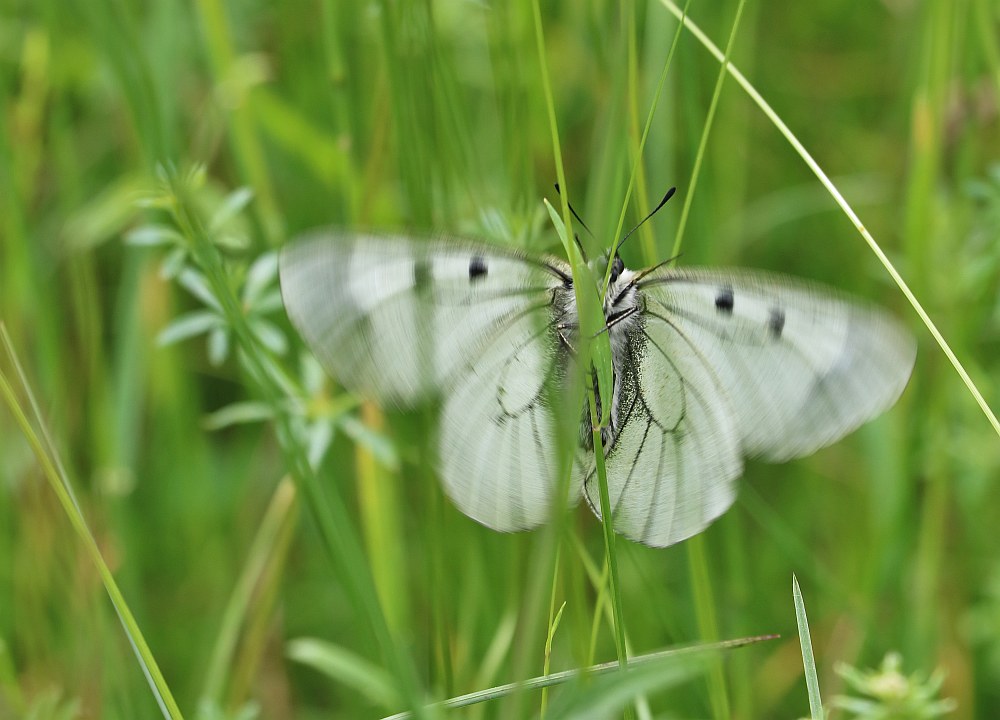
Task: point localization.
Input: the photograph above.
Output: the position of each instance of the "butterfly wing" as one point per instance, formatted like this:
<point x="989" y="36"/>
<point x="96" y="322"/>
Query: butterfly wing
<point x="400" y="321"/>
<point x="801" y="366"/>
<point x="672" y="464"/>
<point x="727" y="364"/>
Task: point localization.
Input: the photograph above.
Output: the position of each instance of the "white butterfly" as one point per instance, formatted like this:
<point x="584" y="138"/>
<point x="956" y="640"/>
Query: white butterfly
<point x="710" y="366"/>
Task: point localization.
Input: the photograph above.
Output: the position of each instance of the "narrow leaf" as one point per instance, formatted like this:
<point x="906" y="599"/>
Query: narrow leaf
<point x="195" y="283"/>
<point x="188" y="326"/>
<point x="262" y="273"/>
<point x="153" y="236"/>
<point x="269" y="335"/>
<point x="218" y="346"/>
<point x="240" y="413"/>
<point x="346" y="668"/>
<point x="231" y="206"/>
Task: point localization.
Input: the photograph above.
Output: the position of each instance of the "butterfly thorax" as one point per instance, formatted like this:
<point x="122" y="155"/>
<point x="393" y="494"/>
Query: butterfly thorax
<point x="623" y="320"/>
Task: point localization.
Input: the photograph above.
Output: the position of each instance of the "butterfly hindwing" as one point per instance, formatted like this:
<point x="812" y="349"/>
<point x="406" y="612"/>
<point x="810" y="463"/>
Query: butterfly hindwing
<point x="671" y="467"/>
<point x="498" y="450"/>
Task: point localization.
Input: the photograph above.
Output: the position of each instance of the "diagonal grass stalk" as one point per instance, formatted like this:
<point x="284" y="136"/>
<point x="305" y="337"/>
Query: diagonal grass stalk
<point x="60" y="483"/>
<point x="555" y="618"/>
<point x="700" y="577"/>
<point x="583" y="289"/>
<point x="589" y="306"/>
<point x="269" y="547"/>
<point x="637" y="174"/>
<point x="656" y="662"/>
<point x="707" y="128"/>
<point x="847" y="209"/>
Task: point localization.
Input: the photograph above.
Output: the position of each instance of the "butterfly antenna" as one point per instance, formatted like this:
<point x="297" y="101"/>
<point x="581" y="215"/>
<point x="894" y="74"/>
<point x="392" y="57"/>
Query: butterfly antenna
<point x="579" y="220"/>
<point x="669" y="194"/>
<point x="641" y="275"/>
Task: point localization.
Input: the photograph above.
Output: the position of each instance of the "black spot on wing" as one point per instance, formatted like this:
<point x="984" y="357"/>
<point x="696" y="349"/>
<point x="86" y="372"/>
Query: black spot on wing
<point x="776" y="322"/>
<point x="477" y="268"/>
<point x="724" y="301"/>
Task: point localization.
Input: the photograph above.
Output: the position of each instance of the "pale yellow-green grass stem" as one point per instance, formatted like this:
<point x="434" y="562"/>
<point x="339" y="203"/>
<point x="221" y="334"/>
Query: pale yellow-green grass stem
<point x="636" y="175"/>
<point x="706" y="130"/>
<point x="582" y="291"/>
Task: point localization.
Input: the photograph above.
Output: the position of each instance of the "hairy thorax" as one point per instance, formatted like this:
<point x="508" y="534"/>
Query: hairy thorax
<point x="623" y="322"/>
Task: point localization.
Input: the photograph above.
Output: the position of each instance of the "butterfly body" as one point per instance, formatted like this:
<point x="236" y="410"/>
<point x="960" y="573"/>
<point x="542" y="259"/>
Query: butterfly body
<point x="622" y="318"/>
<point x="709" y="367"/>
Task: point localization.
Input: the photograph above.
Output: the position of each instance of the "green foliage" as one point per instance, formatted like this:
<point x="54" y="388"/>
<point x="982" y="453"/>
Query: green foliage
<point x="283" y="546"/>
<point x="890" y="695"/>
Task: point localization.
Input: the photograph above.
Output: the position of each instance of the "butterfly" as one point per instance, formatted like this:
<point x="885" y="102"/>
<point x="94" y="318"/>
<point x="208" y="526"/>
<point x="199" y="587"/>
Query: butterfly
<point x="709" y="367"/>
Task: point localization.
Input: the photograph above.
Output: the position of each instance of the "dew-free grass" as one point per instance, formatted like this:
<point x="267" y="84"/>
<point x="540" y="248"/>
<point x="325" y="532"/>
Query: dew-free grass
<point x="237" y="551"/>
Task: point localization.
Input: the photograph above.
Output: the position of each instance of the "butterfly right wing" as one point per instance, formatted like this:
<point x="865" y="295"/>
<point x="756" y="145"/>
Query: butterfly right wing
<point x="731" y="363"/>
<point x="672" y="467"/>
<point x="400" y="321"/>
<point x="801" y="365"/>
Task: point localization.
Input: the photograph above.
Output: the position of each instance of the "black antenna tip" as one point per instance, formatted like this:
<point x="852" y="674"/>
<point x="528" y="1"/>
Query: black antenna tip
<point x="669" y="194"/>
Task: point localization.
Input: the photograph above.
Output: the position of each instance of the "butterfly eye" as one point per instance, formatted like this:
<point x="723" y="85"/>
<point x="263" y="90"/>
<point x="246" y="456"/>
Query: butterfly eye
<point x="616" y="268"/>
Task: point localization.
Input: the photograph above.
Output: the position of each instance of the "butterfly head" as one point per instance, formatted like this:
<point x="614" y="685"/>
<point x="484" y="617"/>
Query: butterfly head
<point x="620" y="298"/>
<point x="600" y="265"/>
<point x="617" y="267"/>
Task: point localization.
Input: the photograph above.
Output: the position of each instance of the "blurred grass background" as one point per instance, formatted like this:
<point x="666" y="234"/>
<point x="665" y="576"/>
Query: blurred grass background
<point x="431" y="116"/>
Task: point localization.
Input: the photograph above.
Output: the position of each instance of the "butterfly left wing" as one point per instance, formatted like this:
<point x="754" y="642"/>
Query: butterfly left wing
<point x="402" y="321"/>
<point x="393" y="317"/>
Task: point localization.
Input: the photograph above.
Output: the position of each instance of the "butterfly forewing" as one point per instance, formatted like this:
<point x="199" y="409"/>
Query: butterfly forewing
<point x="393" y="318"/>
<point x="799" y="365"/>
<point x="401" y="320"/>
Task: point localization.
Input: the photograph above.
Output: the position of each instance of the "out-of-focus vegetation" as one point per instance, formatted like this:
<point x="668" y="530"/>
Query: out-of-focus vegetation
<point x="152" y="156"/>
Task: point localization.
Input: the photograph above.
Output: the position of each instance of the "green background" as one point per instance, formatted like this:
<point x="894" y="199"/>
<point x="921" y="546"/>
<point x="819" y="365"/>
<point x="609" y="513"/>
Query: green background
<point x="432" y="117"/>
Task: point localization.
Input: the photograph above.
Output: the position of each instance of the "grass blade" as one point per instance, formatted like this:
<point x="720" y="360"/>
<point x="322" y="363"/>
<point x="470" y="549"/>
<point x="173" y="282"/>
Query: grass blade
<point x="839" y="199"/>
<point x="59" y="481"/>
<point x="657" y="661"/>
<point x="808" y="661"/>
